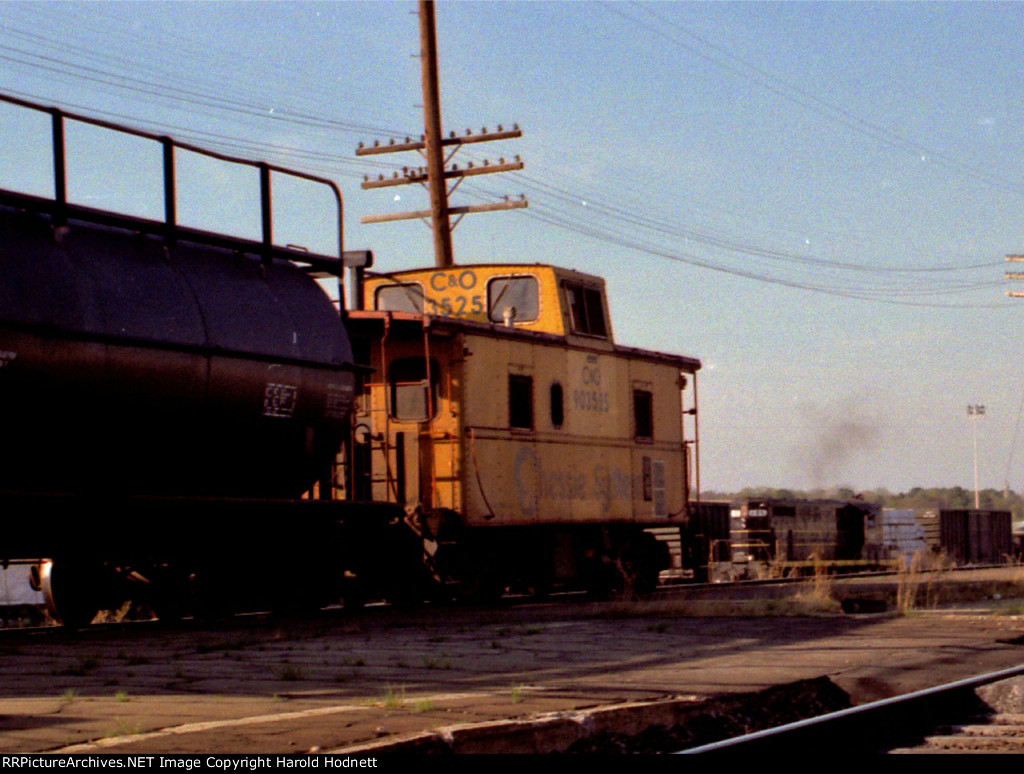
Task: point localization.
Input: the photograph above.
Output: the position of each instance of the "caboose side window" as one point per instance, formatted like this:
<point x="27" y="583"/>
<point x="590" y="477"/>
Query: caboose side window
<point x="520" y="402"/>
<point x="643" y="415"/>
<point x="557" y="405"/>
<point x="586" y="309"/>
<point x="515" y="298"/>
<point x="407" y="297"/>
<point x="412" y="398"/>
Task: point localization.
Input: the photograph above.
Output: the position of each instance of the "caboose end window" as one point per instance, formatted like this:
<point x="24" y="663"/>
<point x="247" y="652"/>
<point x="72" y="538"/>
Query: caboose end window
<point x="406" y="297"/>
<point x="413" y="398"/>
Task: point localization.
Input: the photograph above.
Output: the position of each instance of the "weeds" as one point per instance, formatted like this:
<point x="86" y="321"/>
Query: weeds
<point x="908" y="581"/>
<point x="519" y="631"/>
<point x="423" y="705"/>
<point x="292" y="673"/>
<point x="83" y="666"/>
<point x="234" y="644"/>
<point x="816" y="594"/>
<point x="123" y="728"/>
<point x="1015" y="609"/>
<point x="393" y="698"/>
<point x="431" y="663"/>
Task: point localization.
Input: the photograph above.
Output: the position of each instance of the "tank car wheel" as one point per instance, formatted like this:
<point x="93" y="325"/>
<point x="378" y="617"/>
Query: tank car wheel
<point x="212" y="593"/>
<point x="170" y="594"/>
<point x="69" y="590"/>
<point x="353" y="593"/>
<point x="408" y="589"/>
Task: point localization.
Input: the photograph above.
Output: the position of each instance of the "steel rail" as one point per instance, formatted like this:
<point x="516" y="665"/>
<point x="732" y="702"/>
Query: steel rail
<point x="868" y="728"/>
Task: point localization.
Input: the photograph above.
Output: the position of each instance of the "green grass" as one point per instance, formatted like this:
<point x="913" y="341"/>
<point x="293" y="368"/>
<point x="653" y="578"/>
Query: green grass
<point x="291" y="672"/>
<point x="394" y="698"/>
<point x="83" y="666"/>
<point x="423" y="705"/>
<point x="123" y="728"/>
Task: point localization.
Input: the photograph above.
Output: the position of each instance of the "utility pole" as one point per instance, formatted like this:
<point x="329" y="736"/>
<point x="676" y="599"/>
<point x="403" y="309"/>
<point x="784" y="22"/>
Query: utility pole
<point x="432" y="146"/>
<point x="1014" y="275"/>
<point x="975" y="412"/>
<point x="432" y="135"/>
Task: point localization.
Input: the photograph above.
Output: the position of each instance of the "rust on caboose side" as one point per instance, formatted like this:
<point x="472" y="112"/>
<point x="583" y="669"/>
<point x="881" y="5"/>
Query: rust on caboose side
<point x="498" y="399"/>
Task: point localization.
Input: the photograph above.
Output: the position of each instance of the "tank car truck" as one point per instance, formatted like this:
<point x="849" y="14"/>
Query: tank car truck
<point x="534" y="452"/>
<point x="173" y="399"/>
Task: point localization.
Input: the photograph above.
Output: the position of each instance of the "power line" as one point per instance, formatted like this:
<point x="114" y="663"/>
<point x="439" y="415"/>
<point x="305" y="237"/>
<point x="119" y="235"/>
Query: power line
<point x="808" y="100"/>
<point x="239" y="105"/>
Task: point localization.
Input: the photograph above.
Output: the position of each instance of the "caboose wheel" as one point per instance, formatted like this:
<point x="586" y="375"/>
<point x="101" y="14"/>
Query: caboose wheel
<point x="480" y="586"/>
<point x="70" y="592"/>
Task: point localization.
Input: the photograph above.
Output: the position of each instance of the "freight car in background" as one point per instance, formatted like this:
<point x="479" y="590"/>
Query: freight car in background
<point x="968" y="536"/>
<point x="780" y="537"/>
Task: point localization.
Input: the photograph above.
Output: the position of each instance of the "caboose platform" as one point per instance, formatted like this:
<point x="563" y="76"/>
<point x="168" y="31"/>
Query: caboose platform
<point x="524" y="679"/>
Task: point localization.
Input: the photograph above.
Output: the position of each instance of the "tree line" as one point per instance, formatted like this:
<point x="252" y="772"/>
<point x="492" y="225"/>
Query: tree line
<point x="933" y="498"/>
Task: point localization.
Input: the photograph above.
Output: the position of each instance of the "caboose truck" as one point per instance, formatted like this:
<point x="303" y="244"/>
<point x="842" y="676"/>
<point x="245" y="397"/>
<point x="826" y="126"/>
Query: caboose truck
<point x="532" y="449"/>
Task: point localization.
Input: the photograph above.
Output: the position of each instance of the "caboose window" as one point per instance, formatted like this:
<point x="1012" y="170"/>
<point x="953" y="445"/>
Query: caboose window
<point x="516" y="297"/>
<point x="412" y="397"/>
<point x="587" y="310"/>
<point x="643" y="415"/>
<point x="407" y="297"/>
<point x="520" y="402"/>
<point x="557" y="405"/>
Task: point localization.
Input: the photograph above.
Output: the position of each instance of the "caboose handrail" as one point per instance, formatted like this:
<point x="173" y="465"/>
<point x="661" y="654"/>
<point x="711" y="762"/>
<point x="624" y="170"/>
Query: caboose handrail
<point x="61" y="210"/>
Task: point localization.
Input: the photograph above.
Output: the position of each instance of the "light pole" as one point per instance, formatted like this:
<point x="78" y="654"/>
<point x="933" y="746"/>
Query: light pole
<point x="975" y="412"/>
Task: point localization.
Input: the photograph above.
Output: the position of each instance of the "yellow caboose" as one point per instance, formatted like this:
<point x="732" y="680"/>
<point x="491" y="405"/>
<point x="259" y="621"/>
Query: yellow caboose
<point x="529" y="449"/>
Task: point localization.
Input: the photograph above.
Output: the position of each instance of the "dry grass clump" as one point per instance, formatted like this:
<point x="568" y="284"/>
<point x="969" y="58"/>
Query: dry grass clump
<point x="817" y="593"/>
<point x="919" y="581"/>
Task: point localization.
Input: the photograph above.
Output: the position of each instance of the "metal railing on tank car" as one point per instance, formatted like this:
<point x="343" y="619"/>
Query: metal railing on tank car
<point x="61" y="210"/>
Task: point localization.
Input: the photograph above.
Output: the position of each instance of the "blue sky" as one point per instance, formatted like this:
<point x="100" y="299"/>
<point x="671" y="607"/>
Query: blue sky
<point x="813" y="198"/>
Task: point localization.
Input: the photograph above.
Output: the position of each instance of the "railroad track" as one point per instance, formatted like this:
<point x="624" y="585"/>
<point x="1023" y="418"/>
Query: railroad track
<point x="983" y="714"/>
<point x="713" y="591"/>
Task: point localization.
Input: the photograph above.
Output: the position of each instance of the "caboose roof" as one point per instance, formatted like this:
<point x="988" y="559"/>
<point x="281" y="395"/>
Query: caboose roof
<point x="539" y="301"/>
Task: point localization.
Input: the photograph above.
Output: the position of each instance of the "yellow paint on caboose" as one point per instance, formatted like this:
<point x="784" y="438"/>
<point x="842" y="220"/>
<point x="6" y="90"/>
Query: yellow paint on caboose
<point x="580" y="457"/>
<point x="534" y="417"/>
<point x="530" y="297"/>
